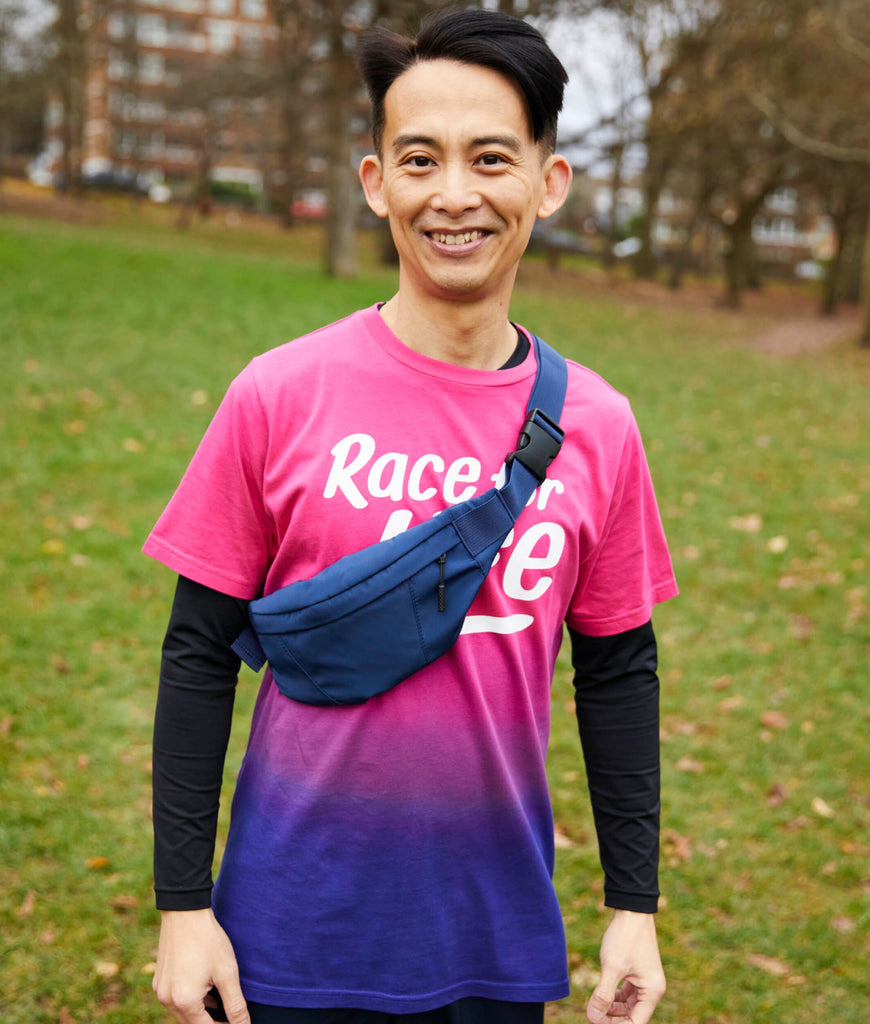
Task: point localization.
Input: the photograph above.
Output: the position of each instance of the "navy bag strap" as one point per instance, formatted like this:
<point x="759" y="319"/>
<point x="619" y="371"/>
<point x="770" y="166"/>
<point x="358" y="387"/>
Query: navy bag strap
<point x="538" y="444"/>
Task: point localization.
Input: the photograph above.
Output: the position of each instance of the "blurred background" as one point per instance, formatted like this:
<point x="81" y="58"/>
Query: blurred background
<point x="728" y="136"/>
<point x="178" y="193"/>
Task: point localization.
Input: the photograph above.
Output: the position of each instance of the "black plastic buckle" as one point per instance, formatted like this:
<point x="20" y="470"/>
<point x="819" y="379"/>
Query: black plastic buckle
<point x="538" y="444"/>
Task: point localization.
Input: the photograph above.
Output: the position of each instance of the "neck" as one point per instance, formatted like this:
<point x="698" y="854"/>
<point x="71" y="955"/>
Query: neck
<point x="465" y="333"/>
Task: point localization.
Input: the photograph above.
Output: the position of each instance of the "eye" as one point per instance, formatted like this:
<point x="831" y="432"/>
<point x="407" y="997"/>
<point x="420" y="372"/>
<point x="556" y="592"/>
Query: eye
<point x="418" y="162"/>
<point x="491" y="160"/>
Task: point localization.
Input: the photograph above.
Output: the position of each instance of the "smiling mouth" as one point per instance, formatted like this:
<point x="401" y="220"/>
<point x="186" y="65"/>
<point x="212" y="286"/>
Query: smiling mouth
<point x="459" y="238"/>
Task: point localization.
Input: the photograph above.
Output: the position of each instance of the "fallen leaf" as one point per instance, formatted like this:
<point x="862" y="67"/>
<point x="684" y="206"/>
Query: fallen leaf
<point x="109" y="999"/>
<point x="722" y="683"/>
<point x="6" y="725"/>
<point x="801" y="821"/>
<point x="822" y="808"/>
<point x="859" y="849"/>
<point x="585" y="976"/>
<point x="561" y="841"/>
<point x="730" y="704"/>
<point x="95" y="863"/>
<point x="776" y="545"/>
<point x="47" y="937"/>
<point x="88" y="397"/>
<point x="768" y="964"/>
<point x="27" y="905"/>
<point x="74" y="428"/>
<point x="777" y="795"/>
<point x="199" y="397"/>
<point x="751" y="523"/>
<point x="106" y="969"/>
<point x="844" y="925"/>
<point x="60" y="665"/>
<point x="675" y="847"/>
<point x="122" y="902"/>
<point x="130" y="444"/>
<point x="148" y="968"/>
<point x="55" y="546"/>
<point x="774" y="720"/>
<point x="83" y="760"/>
<point x="800" y="627"/>
<point x="65" y="1017"/>
<point x="689" y="764"/>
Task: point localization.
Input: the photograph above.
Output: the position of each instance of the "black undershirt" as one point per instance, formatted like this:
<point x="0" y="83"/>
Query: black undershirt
<point x="616" y="696"/>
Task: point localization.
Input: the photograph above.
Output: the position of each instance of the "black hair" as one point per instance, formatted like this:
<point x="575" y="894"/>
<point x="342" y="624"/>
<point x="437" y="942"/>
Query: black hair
<point x="490" y="39"/>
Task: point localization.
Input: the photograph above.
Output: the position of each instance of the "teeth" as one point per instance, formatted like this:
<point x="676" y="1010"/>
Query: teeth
<point x="468" y="236"/>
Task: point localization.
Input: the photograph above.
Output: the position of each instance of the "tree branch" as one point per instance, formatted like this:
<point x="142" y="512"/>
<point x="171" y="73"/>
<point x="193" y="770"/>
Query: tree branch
<point x="799" y="139"/>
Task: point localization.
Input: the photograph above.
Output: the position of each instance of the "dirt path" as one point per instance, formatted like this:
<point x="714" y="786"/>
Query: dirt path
<point x="797" y="335"/>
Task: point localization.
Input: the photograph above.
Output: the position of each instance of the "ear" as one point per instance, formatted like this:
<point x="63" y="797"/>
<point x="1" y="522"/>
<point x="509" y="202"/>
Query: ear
<point x="371" y="176"/>
<point x="557" y="181"/>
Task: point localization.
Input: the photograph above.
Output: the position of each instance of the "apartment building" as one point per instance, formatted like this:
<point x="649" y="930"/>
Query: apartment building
<point x="176" y="88"/>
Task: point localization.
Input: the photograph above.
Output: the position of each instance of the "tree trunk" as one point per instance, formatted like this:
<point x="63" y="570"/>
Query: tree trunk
<point x="864" y="337"/>
<point x="735" y="264"/>
<point x="615" y="188"/>
<point x="833" y="271"/>
<point x="645" y="262"/>
<point x="340" y="256"/>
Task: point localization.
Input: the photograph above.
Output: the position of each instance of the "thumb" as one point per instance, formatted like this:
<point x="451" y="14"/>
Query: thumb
<point x="602" y="998"/>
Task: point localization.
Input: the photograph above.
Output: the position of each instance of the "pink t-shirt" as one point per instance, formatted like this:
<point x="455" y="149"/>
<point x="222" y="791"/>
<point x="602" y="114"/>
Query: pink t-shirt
<point x="397" y="855"/>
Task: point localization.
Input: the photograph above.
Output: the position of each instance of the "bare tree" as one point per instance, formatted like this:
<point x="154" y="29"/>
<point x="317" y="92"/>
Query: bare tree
<point x="23" y="87"/>
<point x="830" y="125"/>
<point x="68" y="80"/>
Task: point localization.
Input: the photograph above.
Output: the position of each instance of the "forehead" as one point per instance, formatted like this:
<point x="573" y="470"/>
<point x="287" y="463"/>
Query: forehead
<point x="448" y="97"/>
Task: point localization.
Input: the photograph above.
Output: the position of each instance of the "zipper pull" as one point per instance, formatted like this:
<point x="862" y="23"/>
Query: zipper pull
<point x="442" y="588"/>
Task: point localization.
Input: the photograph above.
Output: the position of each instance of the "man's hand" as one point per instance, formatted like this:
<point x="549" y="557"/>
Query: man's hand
<point x="195" y="955"/>
<point x="629" y="954"/>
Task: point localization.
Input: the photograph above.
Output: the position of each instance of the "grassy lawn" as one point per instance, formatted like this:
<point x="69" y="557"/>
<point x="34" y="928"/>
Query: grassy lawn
<point x="118" y="340"/>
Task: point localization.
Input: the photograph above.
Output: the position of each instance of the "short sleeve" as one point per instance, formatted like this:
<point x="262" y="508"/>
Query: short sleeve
<point x="216" y="529"/>
<point x="629" y="568"/>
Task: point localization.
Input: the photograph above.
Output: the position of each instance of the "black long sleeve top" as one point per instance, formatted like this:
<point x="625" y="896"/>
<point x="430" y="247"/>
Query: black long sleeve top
<point x="616" y="694"/>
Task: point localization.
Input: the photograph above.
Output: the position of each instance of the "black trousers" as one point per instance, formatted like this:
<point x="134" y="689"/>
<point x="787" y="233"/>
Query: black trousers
<point x="464" y="1011"/>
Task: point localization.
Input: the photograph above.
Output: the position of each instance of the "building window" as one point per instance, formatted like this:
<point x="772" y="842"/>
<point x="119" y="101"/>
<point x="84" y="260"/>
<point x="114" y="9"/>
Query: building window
<point x="221" y="36"/>
<point x="224" y="7"/>
<point x="254" y="8"/>
<point x="151" y="68"/>
<point x="252" y="41"/>
<point x="152" y="30"/>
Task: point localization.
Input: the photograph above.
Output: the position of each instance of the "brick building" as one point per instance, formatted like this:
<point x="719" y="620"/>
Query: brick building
<point x="176" y="89"/>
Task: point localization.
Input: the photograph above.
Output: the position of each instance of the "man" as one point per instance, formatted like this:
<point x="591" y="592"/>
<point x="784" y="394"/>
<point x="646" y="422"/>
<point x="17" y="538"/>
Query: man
<point x="392" y="860"/>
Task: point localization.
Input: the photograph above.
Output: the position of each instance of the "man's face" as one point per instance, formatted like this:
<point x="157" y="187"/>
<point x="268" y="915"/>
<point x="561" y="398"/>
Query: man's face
<point x="461" y="179"/>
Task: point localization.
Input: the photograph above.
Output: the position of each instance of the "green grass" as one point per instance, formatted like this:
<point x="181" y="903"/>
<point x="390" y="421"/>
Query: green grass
<point x="117" y="343"/>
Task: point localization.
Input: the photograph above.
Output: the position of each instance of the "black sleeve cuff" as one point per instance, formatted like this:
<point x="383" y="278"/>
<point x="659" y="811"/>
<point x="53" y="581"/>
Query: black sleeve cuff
<point x="196" y="899"/>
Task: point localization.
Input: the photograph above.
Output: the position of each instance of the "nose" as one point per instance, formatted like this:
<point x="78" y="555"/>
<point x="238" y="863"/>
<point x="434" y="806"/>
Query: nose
<point x="456" y="191"/>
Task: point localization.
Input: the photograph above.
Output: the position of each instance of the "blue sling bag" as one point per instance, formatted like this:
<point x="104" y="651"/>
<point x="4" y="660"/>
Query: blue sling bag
<point x="377" y="616"/>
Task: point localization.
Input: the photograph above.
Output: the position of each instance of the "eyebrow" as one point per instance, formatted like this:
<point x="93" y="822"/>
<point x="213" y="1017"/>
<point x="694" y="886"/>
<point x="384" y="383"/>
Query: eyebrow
<point x="511" y="142"/>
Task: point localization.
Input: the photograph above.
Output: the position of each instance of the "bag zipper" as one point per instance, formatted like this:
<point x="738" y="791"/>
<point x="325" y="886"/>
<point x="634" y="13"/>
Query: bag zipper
<point x="442" y="587"/>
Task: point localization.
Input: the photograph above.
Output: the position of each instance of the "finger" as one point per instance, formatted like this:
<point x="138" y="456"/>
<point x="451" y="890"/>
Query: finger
<point x="644" y="1007"/>
<point x="600" y="1003"/>
<point x="235" y="1007"/>
<point x="191" y="1013"/>
<point x="627" y="994"/>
